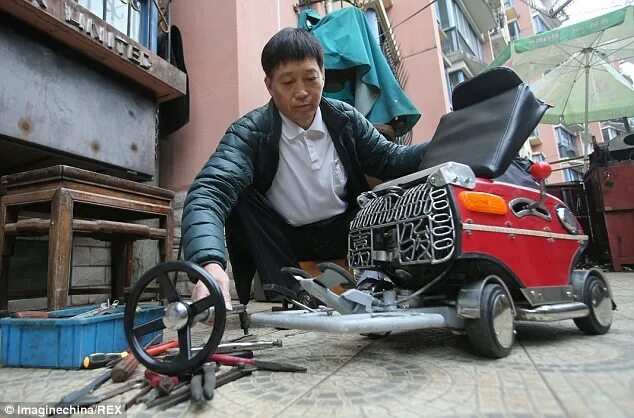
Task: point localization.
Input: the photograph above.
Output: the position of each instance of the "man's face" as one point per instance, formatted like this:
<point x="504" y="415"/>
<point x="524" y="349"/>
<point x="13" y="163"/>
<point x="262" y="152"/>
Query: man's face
<point x="296" y="87"/>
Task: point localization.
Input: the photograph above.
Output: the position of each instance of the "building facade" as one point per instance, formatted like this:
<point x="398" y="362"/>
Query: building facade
<point x="430" y="46"/>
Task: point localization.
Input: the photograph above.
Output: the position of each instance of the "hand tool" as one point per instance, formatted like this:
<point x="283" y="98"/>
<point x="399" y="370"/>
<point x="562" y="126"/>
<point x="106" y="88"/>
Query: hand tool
<point x="260" y="364"/>
<point x="172" y="399"/>
<point x="96" y="398"/>
<point x="234" y="374"/>
<point x="244" y="354"/>
<point x="137" y="398"/>
<point x="196" y="388"/>
<point x="242" y="338"/>
<point x="236" y="309"/>
<point x="177" y="391"/>
<point x="209" y="380"/>
<point x="245" y="322"/>
<point x="70" y="399"/>
<point x="208" y="314"/>
<point x="202" y="384"/>
<point x="152" y="396"/>
<point x="162" y="348"/>
<point x="164" y="383"/>
<point x="124" y="369"/>
<point x="182" y="395"/>
<point x="104" y="308"/>
<point x="225" y="348"/>
<point x="97" y="360"/>
<point x="30" y="314"/>
<point x="251" y="345"/>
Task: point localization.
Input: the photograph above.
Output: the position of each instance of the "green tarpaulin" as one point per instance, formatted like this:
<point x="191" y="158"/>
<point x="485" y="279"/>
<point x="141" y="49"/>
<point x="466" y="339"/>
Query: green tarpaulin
<point x="354" y="60"/>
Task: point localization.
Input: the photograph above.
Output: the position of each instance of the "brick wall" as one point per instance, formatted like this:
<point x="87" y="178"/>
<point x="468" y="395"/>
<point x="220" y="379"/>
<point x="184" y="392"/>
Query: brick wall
<point x="91" y="267"/>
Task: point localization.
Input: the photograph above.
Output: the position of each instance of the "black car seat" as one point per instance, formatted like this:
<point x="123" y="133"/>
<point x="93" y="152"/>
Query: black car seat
<point x="494" y="113"/>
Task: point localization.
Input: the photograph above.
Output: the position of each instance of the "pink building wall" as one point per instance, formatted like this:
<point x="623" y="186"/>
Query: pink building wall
<point x="211" y="58"/>
<point x="255" y="26"/>
<point x="222" y="48"/>
<point x="426" y="86"/>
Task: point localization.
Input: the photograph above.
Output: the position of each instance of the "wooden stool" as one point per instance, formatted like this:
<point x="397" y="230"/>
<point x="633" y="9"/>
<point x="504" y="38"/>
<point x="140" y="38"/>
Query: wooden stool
<point x="80" y="203"/>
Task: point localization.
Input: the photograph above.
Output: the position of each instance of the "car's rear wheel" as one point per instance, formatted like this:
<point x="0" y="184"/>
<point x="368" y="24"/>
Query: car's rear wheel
<point x="597" y="297"/>
<point x="492" y="335"/>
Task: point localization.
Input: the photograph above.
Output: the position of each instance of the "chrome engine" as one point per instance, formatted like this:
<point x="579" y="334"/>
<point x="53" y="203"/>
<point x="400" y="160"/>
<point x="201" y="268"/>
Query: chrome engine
<point x="403" y="226"/>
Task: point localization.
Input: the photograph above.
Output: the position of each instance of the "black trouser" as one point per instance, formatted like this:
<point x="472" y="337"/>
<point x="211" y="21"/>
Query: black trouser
<point x="258" y="239"/>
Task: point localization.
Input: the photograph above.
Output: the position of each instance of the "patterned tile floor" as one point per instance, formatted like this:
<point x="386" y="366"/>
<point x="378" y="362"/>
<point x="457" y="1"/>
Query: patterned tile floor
<point x="553" y="371"/>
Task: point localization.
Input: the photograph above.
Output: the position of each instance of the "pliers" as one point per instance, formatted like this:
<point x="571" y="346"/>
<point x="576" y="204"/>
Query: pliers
<point x="259" y="364"/>
<point x="202" y="385"/>
<point x="205" y="385"/>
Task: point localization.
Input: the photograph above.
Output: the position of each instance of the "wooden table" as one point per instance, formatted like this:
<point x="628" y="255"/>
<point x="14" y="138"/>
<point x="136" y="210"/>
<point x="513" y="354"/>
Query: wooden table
<point x="77" y="202"/>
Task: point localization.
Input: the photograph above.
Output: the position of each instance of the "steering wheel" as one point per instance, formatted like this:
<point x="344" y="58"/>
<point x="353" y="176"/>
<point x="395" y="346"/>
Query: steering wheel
<point x="178" y="316"/>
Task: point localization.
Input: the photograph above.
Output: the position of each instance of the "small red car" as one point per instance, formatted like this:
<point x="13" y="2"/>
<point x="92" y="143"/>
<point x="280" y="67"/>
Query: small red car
<point x="471" y="242"/>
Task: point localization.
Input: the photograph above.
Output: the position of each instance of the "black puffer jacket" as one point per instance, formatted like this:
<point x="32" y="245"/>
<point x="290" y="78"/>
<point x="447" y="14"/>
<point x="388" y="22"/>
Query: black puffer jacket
<point x="248" y="155"/>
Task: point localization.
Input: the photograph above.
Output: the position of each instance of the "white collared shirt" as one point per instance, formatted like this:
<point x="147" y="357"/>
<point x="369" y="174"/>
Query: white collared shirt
<point x="310" y="182"/>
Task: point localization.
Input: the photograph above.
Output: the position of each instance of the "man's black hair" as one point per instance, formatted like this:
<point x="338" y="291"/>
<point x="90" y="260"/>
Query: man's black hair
<point x="290" y="44"/>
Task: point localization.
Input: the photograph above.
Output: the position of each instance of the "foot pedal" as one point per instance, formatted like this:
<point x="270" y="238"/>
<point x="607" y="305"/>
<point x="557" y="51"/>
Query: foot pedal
<point x="280" y="290"/>
<point x="286" y="294"/>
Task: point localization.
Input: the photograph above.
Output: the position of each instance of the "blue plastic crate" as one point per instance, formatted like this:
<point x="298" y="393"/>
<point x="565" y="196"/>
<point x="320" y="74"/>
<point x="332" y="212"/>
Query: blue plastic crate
<point x="61" y="342"/>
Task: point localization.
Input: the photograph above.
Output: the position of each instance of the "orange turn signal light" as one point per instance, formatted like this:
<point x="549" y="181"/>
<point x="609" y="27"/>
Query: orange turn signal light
<point x="483" y="202"/>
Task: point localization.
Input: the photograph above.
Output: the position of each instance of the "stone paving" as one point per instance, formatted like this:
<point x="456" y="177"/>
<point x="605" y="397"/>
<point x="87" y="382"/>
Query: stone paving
<point x="553" y="371"/>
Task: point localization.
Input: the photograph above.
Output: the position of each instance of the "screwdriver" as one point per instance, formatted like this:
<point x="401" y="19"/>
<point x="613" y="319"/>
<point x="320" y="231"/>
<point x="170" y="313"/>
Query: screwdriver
<point x="260" y="364"/>
<point x="97" y="360"/>
<point x="124" y="369"/>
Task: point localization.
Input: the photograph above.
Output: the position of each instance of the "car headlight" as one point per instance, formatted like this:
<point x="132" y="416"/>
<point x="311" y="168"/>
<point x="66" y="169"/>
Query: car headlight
<point x="568" y="220"/>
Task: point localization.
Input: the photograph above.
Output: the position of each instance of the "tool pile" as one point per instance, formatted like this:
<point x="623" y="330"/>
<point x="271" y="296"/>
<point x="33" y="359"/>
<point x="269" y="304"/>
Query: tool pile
<point x="161" y="391"/>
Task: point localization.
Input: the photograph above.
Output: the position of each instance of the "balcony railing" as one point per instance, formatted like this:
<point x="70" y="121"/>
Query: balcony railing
<point x="456" y="43"/>
<point x="389" y="44"/>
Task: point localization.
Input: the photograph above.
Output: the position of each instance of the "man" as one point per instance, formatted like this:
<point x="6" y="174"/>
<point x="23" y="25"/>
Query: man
<point x="284" y="179"/>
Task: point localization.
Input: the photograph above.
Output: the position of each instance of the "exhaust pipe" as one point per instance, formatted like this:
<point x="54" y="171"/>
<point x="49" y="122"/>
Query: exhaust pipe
<point x="557" y="312"/>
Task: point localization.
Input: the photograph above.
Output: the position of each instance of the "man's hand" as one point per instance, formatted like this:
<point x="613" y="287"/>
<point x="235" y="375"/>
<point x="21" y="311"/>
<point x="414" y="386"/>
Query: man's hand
<point x="200" y="290"/>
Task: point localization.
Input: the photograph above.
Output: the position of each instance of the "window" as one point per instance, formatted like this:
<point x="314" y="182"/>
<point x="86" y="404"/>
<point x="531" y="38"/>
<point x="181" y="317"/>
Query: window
<point x="509" y="3"/>
<point x="535" y="131"/>
<point x="538" y="157"/>
<point x="572" y="175"/>
<point x="461" y="36"/>
<point x="566" y="142"/>
<point x="514" y="30"/>
<point x="539" y="25"/>
<point x="453" y="79"/>
<point x="608" y="133"/>
<point x="443" y="13"/>
<point x="456" y="78"/>
<point x="127" y="16"/>
<point x="448" y="82"/>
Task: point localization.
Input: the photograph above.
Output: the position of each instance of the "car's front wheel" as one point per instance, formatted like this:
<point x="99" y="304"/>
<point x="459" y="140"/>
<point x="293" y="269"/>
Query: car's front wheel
<point x="492" y="335"/>
<point x="596" y="296"/>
